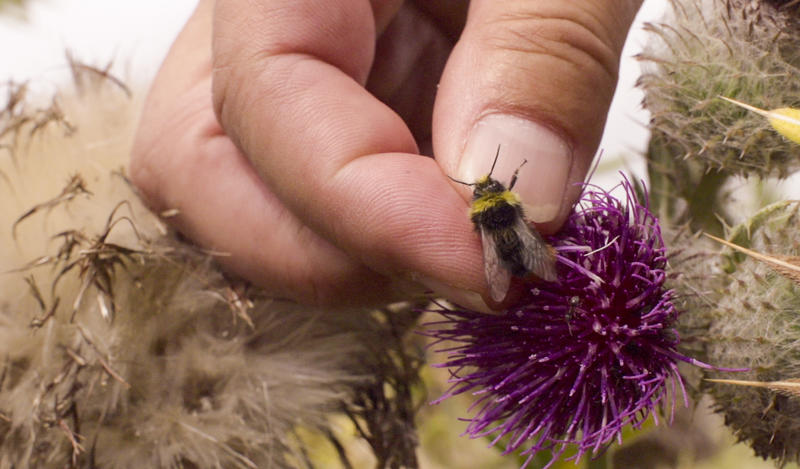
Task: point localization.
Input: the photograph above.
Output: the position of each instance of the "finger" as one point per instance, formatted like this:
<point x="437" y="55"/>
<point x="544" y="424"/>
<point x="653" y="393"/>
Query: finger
<point x="182" y="161"/>
<point x="409" y="59"/>
<point x="384" y="12"/>
<point x="535" y="79"/>
<point x="224" y="207"/>
<point x="449" y="15"/>
<point x="293" y="101"/>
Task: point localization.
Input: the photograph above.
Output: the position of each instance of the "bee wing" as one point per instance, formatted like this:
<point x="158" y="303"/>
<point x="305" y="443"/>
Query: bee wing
<point x="537" y="256"/>
<point x="497" y="276"/>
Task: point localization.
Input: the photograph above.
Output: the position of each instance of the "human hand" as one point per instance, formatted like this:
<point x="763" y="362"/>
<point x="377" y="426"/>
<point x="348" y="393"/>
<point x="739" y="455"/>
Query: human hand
<point x="315" y="187"/>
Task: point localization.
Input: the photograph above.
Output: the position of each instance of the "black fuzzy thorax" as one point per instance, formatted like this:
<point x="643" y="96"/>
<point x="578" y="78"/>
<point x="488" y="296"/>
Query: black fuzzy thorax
<point x="499" y="219"/>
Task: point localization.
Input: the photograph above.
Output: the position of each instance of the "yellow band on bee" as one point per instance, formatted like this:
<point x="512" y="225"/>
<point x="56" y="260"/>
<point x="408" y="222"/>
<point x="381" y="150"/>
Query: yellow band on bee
<point x="492" y="200"/>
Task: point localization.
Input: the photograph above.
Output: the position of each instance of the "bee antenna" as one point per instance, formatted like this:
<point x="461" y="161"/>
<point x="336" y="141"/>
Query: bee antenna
<point x="460" y="182"/>
<point x="496" y="155"/>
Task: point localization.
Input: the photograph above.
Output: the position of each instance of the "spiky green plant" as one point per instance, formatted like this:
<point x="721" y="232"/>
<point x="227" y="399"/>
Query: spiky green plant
<point x="748" y="305"/>
<point x="704" y="50"/>
<point x="711" y="70"/>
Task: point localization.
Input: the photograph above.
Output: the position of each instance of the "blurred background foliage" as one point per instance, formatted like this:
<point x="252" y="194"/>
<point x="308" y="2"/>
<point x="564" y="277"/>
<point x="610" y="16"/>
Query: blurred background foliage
<point x="12" y="7"/>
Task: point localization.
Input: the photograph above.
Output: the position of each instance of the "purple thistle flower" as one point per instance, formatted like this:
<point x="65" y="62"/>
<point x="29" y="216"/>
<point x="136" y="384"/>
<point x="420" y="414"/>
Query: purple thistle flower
<point x="578" y="359"/>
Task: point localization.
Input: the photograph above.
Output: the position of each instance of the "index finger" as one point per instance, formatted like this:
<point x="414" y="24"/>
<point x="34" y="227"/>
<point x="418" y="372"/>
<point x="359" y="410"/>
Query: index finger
<point x="292" y="98"/>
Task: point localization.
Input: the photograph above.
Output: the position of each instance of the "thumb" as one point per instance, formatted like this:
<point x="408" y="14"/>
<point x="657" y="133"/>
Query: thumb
<point x="535" y="78"/>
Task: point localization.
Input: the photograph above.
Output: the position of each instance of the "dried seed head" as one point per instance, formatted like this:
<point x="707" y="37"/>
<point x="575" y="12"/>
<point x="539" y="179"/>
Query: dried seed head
<point x="194" y="369"/>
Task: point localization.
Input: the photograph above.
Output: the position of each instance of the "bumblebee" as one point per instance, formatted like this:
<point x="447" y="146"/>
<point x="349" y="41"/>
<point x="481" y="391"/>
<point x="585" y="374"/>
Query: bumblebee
<point x="510" y="245"/>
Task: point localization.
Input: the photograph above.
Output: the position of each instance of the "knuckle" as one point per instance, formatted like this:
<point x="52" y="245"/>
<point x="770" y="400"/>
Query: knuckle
<point x="312" y="289"/>
<point x="142" y="172"/>
<point x="220" y="91"/>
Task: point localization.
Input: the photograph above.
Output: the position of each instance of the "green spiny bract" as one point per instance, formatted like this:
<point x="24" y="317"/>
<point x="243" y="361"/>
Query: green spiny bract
<point x="745" y="315"/>
<point x="747" y="50"/>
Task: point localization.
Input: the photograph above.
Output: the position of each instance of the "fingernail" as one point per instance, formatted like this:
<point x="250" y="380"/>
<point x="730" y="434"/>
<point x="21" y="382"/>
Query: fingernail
<point x="464" y="298"/>
<point x="541" y="182"/>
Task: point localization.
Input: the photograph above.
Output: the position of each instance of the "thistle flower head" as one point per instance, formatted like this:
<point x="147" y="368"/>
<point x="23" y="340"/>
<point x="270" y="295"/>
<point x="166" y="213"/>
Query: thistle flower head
<point x="747" y="300"/>
<point x="747" y="50"/>
<point x="578" y="359"/>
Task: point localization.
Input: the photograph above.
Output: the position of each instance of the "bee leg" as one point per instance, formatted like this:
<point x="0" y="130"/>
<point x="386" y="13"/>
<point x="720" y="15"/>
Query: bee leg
<point x="514" y="176"/>
<point x="573" y="303"/>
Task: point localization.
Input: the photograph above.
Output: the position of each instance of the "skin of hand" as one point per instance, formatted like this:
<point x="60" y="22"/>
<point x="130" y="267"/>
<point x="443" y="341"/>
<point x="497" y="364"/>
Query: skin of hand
<point x="287" y="134"/>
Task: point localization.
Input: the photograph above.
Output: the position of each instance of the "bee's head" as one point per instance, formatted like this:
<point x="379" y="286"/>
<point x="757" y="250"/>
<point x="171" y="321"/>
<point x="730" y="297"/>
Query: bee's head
<point x="487" y="185"/>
